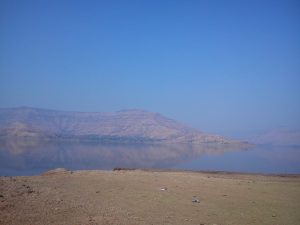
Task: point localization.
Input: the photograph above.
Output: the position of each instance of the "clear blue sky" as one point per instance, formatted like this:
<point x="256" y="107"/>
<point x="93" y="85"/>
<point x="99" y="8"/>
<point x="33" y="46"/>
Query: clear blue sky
<point x="220" y="66"/>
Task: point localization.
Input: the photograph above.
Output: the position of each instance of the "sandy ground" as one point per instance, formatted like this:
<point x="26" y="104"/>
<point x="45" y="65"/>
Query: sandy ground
<point x="139" y="197"/>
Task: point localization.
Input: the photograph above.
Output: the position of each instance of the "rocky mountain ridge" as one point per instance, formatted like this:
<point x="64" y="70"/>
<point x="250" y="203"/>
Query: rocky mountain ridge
<point x="125" y="125"/>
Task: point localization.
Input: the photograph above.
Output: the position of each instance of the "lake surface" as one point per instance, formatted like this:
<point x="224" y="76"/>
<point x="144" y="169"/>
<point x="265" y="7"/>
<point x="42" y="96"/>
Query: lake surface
<point x="35" y="157"/>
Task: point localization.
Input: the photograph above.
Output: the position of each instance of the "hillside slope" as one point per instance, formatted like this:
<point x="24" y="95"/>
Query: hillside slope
<point x="126" y="125"/>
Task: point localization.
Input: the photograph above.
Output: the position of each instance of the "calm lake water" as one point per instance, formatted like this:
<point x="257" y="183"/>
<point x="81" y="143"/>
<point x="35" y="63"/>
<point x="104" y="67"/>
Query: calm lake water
<point x="31" y="157"/>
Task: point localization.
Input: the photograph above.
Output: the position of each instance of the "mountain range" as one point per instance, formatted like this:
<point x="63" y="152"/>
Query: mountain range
<point x="279" y="136"/>
<point x="120" y="126"/>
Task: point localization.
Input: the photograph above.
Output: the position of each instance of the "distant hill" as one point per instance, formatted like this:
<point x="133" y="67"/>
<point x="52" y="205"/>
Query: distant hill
<point x="281" y="136"/>
<point x="121" y="126"/>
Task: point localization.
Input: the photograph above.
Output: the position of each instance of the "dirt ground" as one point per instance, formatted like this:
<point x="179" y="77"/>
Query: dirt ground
<point x="149" y="197"/>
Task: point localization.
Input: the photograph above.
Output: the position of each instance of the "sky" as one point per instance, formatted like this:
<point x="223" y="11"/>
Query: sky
<point x="222" y="66"/>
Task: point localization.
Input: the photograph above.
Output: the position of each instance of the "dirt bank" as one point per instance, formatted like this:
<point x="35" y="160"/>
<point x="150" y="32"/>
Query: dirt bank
<point x="149" y="197"/>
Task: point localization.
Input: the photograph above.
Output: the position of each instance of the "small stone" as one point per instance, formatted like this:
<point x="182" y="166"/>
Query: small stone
<point x="273" y="215"/>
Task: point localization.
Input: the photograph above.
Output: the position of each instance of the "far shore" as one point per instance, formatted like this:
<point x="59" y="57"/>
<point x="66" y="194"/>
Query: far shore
<point x="134" y="196"/>
<point x="210" y="172"/>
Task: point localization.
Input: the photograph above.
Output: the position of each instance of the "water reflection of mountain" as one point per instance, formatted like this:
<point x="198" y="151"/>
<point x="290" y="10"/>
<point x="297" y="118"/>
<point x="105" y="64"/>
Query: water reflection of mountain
<point x="41" y="155"/>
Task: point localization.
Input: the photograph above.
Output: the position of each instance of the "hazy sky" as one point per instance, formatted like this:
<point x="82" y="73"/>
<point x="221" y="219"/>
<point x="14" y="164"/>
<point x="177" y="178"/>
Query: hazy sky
<point x="220" y="66"/>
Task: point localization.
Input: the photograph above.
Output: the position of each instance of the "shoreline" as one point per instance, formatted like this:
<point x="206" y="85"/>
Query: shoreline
<point x="212" y="172"/>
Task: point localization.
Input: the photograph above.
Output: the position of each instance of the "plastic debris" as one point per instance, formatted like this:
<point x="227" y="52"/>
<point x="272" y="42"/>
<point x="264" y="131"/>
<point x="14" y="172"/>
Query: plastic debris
<point x="195" y="199"/>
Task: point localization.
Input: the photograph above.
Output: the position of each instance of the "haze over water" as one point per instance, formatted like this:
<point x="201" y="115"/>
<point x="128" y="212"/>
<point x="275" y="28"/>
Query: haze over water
<point x="26" y="158"/>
